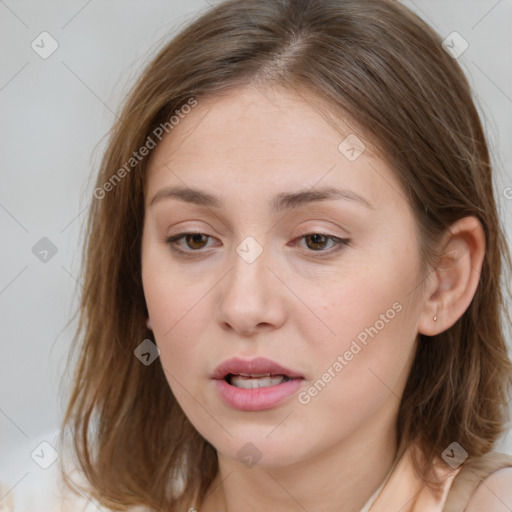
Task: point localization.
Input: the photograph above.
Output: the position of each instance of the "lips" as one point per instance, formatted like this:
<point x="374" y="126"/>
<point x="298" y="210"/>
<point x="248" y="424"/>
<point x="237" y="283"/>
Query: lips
<point x="255" y="385"/>
<point x="254" y="367"/>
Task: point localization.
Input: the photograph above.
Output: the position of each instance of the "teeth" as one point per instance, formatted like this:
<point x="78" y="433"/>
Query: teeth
<point x="254" y="374"/>
<point x="254" y="381"/>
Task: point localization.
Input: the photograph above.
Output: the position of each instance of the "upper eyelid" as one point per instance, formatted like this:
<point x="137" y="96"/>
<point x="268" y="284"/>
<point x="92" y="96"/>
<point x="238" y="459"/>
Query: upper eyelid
<point x="315" y="213"/>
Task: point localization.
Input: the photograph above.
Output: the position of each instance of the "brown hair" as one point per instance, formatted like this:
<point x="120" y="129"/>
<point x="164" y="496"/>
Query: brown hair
<point x="374" y="63"/>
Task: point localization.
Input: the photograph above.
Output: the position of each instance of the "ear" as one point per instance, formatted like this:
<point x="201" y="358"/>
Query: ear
<point x="453" y="283"/>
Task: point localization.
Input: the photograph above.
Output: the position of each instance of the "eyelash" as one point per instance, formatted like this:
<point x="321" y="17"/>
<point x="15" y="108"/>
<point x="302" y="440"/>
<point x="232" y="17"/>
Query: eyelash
<point x="340" y="243"/>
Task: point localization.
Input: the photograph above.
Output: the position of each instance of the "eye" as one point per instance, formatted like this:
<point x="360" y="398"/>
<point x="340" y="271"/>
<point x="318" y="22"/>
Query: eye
<point x="194" y="241"/>
<point x="197" y="241"/>
<point x="317" y="242"/>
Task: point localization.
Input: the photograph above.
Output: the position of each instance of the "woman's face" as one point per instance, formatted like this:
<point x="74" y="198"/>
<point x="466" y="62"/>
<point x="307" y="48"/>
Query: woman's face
<point x="264" y="278"/>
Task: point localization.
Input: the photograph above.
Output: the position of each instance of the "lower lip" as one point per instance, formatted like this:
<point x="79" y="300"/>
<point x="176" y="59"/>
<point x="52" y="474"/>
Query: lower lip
<point x="257" y="399"/>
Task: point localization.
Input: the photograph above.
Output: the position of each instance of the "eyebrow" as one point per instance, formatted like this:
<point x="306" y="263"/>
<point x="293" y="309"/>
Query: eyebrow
<point x="282" y="201"/>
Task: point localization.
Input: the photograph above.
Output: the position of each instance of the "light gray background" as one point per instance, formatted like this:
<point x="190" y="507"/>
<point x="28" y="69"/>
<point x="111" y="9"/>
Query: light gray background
<point x="55" y="115"/>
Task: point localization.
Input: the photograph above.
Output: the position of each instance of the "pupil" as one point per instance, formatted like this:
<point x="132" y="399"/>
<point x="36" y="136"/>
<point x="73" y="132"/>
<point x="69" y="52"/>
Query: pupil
<point x="194" y="238"/>
<point x="315" y="238"/>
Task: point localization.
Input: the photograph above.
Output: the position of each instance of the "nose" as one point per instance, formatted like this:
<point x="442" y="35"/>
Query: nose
<point x="251" y="297"/>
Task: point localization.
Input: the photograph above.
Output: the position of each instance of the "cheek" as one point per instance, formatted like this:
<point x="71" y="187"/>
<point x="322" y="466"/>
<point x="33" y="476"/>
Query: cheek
<point x="371" y="316"/>
<point x="176" y="314"/>
<point x="181" y="314"/>
<point x="170" y="293"/>
<point x="170" y="304"/>
<point x="364" y="366"/>
<point x="363" y="297"/>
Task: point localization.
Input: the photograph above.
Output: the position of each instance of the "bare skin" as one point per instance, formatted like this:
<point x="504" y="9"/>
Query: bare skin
<point x="301" y="302"/>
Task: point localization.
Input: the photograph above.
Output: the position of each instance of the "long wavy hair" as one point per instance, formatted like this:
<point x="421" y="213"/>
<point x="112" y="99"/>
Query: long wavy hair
<point x="373" y="63"/>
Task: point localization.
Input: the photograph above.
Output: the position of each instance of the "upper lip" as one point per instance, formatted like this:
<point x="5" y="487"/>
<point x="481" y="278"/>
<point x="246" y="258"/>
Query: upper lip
<point x="258" y="365"/>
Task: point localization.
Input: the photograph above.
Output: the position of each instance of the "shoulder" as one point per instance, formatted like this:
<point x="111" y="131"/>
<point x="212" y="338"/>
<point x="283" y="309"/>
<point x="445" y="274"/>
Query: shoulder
<point x="494" y="493"/>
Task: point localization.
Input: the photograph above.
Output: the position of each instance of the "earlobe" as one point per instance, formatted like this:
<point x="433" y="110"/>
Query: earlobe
<point x="455" y="277"/>
<point x="149" y="325"/>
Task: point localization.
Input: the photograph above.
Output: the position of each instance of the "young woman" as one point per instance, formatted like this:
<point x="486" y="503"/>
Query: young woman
<point x="292" y="284"/>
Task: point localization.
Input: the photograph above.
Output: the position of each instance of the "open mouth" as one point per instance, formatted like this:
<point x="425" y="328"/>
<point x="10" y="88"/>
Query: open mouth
<point x="256" y="384"/>
<point x="252" y="381"/>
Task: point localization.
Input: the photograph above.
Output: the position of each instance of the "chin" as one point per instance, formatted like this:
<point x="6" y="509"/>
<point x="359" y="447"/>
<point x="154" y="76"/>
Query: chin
<point x="258" y="452"/>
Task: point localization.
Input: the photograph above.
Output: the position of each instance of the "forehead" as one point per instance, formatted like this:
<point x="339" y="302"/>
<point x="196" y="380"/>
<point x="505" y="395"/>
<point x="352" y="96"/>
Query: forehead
<point x="258" y="139"/>
<point x="253" y="122"/>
